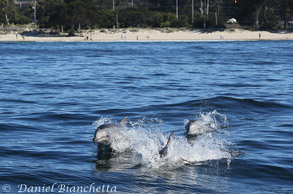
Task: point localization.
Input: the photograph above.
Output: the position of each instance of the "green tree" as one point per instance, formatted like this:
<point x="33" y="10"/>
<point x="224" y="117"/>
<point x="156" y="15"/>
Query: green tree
<point x="258" y="5"/>
<point x="76" y="15"/>
<point x="46" y="10"/>
<point x="249" y="11"/>
<point x="58" y="17"/>
<point x="108" y="4"/>
<point x="286" y="11"/>
<point x="133" y="17"/>
<point x="7" y="11"/>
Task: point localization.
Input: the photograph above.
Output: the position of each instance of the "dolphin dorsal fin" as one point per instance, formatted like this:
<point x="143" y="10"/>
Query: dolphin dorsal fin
<point x="123" y="121"/>
<point x="170" y="138"/>
<point x="163" y="152"/>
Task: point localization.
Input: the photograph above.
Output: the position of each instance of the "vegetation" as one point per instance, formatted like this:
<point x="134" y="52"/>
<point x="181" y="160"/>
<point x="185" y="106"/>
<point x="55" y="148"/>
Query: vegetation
<point x="71" y="15"/>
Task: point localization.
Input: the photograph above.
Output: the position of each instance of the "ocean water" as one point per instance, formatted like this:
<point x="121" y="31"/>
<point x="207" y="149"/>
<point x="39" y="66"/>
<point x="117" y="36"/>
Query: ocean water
<point x="53" y="96"/>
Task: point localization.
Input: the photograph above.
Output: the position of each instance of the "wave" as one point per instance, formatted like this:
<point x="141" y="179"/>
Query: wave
<point x="189" y="108"/>
<point x="222" y="104"/>
<point x="221" y="101"/>
<point x="250" y="102"/>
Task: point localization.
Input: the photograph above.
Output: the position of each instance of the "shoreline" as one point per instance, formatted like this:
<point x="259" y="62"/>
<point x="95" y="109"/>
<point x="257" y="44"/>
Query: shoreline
<point x="149" y="35"/>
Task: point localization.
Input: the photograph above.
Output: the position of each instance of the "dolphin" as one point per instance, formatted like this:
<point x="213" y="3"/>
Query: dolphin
<point x="163" y="152"/>
<point x="198" y="127"/>
<point x="108" y="132"/>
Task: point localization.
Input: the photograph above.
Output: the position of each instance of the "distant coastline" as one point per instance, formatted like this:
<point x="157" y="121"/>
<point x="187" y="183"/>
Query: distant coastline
<point x="144" y="34"/>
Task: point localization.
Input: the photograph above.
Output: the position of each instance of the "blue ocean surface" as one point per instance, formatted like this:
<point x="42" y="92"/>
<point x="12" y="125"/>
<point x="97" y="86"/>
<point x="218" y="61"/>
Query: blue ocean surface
<point x="53" y="96"/>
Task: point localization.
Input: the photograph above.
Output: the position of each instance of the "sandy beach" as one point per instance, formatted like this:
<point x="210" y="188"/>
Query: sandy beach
<point x="154" y="35"/>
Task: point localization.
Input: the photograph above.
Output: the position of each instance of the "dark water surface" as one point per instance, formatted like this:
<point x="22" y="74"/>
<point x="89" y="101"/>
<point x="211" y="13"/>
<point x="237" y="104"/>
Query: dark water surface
<point x="51" y="94"/>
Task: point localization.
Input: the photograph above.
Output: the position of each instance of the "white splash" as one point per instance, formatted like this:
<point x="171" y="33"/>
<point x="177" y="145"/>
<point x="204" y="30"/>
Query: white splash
<point x="102" y="120"/>
<point x="146" y="144"/>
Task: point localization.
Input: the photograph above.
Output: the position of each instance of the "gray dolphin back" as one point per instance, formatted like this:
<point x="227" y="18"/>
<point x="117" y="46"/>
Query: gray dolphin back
<point x="163" y="152"/>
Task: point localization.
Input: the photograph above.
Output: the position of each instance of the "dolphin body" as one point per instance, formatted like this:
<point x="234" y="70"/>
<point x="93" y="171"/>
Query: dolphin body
<point x="197" y="127"/>
<point x="105" y="134"/>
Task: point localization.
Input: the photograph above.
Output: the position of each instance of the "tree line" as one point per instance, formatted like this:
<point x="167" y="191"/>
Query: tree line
<point x="86" y="14"/>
